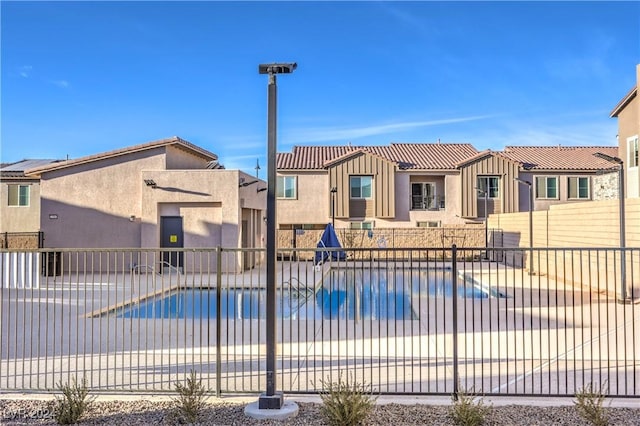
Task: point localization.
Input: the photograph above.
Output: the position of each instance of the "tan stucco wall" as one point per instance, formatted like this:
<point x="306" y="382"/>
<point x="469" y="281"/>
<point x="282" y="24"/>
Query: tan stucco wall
<point x="213" y="194"/>
<point x="94" y="202"/>
<point x="20" y="218"/>
<point x="212" y="206"/>
<point x="629" y="125"/>
<point x="563" y="190"/>
<point x="107" y="204"/>
<point x="180" y="159"/>
<point x="312" y="204"/>
<point x="587" y="224"/>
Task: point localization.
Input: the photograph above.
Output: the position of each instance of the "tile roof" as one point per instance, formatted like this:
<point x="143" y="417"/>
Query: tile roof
<point x="414" y="156"/>
<point x="561" y="157"/>
<point x="483" y="154"/>
<point x="122" y="151"/>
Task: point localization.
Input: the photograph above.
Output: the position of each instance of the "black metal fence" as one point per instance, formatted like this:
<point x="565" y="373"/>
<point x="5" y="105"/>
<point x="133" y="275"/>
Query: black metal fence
<point x="406" y="321"/>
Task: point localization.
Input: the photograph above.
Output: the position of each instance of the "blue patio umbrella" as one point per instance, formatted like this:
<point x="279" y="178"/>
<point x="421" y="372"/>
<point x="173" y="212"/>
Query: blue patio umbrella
<point x="329" y="240"/>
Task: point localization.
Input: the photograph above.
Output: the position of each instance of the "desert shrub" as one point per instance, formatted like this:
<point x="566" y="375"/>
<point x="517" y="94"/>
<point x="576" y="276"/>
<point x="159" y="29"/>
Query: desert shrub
<point x="73" y="403"/>
<point x="590" y="404"/>
<point x="191" y="398"/>
<point x="346" y="402"/>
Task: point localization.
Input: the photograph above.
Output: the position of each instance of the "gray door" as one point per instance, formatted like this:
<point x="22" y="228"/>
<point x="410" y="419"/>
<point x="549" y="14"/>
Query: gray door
<point x="248" y="263"/>
<point x="172" y="236"/>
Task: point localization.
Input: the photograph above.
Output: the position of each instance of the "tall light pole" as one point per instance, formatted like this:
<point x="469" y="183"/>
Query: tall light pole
<point x="333" y="206"/>
<point x="623" y="263"/>
<point x="272" y="399"/>
<point x="526" y="182"/>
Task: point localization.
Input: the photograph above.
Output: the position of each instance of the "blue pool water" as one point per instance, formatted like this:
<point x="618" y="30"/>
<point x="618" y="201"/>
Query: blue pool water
<point x="375" y="294"/>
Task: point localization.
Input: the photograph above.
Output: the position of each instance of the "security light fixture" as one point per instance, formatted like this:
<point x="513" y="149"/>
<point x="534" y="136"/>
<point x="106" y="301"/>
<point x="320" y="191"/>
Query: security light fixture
<point x="609" y="158"/>
<point x="151" y="183"/>
<point x="261" y="189"/>
<point x="277" y="68"/>
<point x="243" y="183"/>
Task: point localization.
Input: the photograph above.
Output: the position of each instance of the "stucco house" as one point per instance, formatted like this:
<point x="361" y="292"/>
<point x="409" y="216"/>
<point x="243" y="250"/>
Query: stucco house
<point x="361" y="187"/>
<point x="556" y="174"/>
<point x="167" y="193"/>
<point x="20" y="206"/>
<point x="627" y="111"/>
<point x="408" y="185"/>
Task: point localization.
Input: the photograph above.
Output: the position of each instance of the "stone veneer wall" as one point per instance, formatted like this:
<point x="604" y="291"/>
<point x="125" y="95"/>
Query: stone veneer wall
<point x="19" y="241"/>
<point x="428" y="238"/>
<point x="605" y="187"/>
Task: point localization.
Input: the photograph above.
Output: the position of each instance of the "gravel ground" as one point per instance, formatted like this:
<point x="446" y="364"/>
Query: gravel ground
<point x="130" y="413"/>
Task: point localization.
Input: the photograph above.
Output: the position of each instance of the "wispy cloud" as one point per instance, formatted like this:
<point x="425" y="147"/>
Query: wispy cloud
<point x="64" y="84"/>
<point x="596" y="132"/>
<point x="418" y="24"/>
<point x="310" y="135"/>
<point x="25" y="71"/>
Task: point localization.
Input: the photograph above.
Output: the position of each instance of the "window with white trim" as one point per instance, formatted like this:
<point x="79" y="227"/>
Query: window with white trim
<point x="360" y="186"/>
<point x="632" y="151"/>
<point x="19" y="195"/>
<point x="547" y="187"/>
<point x="490" y="185"/>
<point x="286" y="187"/>
<point x="578" y="188"/>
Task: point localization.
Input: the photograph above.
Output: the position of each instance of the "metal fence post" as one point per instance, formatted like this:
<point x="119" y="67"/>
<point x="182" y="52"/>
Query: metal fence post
<point x="218" y="322"/>
<point x="454" y="296"/>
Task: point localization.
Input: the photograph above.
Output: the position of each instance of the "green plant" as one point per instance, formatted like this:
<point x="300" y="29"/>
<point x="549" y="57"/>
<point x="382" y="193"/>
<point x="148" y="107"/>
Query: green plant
<point x="74" y="401"/>
<point x="468" y="409"/>
<point x="191" y="398"/>
<point x="346" y="402"/>
<point x="589" y="403"/>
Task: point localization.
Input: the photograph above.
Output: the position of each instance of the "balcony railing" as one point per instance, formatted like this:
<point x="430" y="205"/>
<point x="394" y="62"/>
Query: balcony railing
<point x="428" y="203"/>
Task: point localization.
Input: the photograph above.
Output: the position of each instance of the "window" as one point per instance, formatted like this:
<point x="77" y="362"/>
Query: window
<point x="547" y="187"/>
<point x="490" y="184"/>
<point x="361" y="225"/>
<point x="423" y="196"/>
<point x="429" y="224"/>
<point x="633" y="152"/>
<point x="360" y="186"/>
<point x="286" y="187"/>
<point x="18" y="195"/>
<point x="579" y="188"/>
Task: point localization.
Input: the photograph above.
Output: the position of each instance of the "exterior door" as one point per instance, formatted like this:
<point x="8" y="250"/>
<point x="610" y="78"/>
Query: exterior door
<point x="172" y="236"/>
<point x="247" y="264"/>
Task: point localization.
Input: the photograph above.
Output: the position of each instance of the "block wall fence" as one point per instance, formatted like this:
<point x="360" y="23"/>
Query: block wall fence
<point x="579" y="225"/>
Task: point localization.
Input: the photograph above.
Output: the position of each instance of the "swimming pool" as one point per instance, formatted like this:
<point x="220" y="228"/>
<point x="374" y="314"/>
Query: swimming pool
<point x="366" y="293"/>
<point x="238" y="303"/>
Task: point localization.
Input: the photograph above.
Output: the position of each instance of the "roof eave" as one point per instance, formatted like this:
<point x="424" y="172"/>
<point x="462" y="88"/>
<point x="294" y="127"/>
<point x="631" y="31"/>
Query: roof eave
<point x="120" y="152"/>
<point x="624" y="102"/>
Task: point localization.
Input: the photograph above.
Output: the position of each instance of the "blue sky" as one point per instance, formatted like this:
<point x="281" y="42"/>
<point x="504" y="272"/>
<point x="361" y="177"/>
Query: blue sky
<point x="79" y="78"/>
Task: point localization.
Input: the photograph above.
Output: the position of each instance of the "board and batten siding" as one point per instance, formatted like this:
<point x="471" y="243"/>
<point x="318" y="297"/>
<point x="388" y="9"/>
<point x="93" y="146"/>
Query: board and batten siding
<point x="491" y="165"/>
<point x="383" y="171"/>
